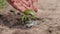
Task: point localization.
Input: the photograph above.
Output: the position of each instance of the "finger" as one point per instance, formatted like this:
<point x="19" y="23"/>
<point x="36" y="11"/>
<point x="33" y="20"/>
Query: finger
<point x="35" y="1"/>
<point x="22" y="4"/>
<point x="26" y="6"/>
<point x="30" y="2"/>
<point x="22" y="8"/>
<point x="35" y="8"/>
<point x="25" y="2"/>
<point x="35" y="5"/>
<point x="14" y="0"/>
<point x="19" y="6"/>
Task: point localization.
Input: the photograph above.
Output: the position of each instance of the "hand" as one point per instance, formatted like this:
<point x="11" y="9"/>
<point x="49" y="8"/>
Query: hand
<point x="23" y="5"/>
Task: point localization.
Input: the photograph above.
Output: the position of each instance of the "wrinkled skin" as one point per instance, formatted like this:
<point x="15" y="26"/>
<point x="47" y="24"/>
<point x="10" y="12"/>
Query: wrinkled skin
<point x="23" y="5"/>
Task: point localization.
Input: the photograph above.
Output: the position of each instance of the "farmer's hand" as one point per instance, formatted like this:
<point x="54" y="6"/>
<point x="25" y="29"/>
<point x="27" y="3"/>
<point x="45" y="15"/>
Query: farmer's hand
<point x="23" y="5"/>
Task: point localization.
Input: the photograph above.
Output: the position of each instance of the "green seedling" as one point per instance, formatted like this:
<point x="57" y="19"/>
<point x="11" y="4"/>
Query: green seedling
<point x="27" y="15"/>
<point x="29" y="12"/>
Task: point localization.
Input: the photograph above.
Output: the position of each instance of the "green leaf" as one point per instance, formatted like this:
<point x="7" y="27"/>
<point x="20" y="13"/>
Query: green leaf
<point x="33" y="17"/>
<point x="26" y="15"/>
<point x="23" y="17"/>
<point x="27" y="12"/>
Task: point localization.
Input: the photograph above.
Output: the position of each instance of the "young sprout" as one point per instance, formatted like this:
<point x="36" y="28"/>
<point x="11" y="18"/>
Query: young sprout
<point x="27" y="15"/>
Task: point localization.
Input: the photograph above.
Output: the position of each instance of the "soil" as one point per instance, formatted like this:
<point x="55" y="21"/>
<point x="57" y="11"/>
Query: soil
<point x="49" y="13"/>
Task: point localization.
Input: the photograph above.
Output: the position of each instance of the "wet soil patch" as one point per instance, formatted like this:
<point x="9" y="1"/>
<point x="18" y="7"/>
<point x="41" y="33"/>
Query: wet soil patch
<point x="15" y="21"/>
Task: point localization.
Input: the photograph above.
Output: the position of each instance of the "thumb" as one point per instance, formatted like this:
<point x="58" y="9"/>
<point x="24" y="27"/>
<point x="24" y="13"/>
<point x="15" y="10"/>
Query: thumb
<point x="35" y="8"/>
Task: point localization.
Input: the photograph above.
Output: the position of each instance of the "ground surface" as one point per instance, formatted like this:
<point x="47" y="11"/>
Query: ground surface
<point x="49" y="11"/>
